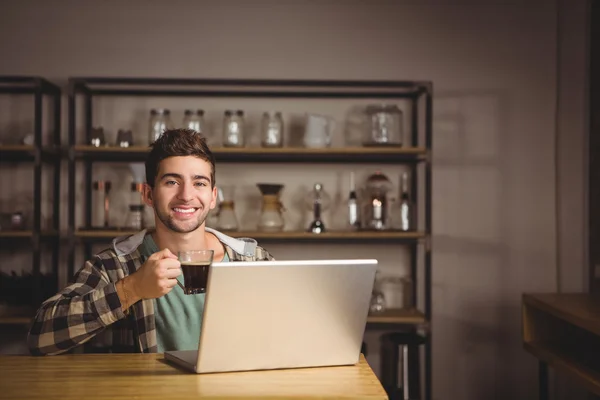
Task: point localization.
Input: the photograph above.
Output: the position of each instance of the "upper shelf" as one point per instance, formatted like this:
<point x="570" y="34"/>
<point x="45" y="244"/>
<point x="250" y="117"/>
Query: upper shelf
<point x="261" y="154"/>
<point x="27" y="85"/>
<point x="266" y="88"/>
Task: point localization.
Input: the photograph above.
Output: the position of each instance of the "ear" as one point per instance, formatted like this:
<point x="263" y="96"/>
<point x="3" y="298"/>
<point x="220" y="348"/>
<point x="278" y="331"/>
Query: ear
<point x="147" y="195"/>
<point x="213" y="200"/>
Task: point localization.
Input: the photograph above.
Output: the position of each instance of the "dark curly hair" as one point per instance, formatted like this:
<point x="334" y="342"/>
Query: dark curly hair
<point x="178" y="142"/>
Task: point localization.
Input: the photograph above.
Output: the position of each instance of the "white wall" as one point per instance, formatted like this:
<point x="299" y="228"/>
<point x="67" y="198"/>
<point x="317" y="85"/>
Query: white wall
<point x="494" y="68"/>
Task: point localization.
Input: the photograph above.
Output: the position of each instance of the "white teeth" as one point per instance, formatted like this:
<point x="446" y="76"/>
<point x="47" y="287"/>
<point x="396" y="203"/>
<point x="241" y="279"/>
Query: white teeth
<point x="184" y="210"/>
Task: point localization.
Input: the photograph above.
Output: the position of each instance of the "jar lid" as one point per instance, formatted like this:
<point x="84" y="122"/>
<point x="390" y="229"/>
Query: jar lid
<point x="136" y="207"/>
<point x="386" y="108"/>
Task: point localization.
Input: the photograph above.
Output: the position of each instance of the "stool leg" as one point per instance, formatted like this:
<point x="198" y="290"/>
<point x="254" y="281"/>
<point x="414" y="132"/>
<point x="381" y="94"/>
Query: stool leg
<point x="543" y="380"/>
<point x="389" y="367"/>
<point x="411" y="377"/>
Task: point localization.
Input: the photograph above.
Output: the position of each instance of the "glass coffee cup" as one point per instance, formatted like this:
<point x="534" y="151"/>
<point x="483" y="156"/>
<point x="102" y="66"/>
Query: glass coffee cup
<point x="195" y="265"/>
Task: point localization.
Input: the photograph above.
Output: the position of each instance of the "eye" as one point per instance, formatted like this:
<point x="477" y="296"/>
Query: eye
<point x="201" y="183"/>
<point x="170" y="183"/>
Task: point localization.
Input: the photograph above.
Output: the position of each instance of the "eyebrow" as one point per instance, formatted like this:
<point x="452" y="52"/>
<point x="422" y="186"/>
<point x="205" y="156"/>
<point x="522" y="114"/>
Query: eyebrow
<point x="179" y="176"/>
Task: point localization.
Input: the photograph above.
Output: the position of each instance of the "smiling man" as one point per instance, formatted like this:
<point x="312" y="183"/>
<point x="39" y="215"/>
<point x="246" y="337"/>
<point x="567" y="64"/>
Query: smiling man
<point x="123" y="298"/>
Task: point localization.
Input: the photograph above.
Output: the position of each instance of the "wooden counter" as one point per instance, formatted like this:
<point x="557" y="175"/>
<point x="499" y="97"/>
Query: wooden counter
<point x="563" y="331"/>
<point x="149" y="376"/>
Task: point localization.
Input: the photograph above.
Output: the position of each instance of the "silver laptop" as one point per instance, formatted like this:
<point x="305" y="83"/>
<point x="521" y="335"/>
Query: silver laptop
<point x="281" y="314"/>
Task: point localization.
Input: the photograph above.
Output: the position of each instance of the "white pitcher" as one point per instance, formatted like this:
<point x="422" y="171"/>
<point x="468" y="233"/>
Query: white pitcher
<point x="318" y="130"/>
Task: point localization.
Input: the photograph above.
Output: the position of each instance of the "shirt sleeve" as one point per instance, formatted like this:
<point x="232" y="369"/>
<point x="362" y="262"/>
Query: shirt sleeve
<point x="77" y="313"/>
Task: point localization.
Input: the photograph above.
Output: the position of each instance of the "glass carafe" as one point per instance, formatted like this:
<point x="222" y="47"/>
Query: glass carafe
<point x="227" y="220"/>
<point x="271" y="219"/>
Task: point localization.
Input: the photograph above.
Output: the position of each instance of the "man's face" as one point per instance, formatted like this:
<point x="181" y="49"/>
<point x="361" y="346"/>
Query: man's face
<point x="182" y="194"/>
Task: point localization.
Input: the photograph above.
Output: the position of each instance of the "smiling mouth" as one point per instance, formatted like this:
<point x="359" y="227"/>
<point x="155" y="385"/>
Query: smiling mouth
<point x="184" y="210"/>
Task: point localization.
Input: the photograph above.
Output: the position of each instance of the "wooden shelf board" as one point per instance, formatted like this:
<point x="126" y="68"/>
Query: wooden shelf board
<point x="15" y="234"/>
<point x="562" y="362"/>
<point x="266" y="155"/>
<point x="398" y="316"/>
<point x="26" y="234"/>
<point x="16" y="148"/>
<point x="286" y="235"/>
<point x="15" y="320"/>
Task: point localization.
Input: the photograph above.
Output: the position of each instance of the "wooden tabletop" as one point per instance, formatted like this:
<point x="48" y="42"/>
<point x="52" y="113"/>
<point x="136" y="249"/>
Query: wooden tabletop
<point x="149" y="376"/>
<point x="579" y="309"/>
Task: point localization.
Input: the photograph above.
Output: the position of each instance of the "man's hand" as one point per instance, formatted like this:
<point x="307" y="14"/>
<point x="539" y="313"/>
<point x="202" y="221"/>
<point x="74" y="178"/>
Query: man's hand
<point x="156" y="277"/>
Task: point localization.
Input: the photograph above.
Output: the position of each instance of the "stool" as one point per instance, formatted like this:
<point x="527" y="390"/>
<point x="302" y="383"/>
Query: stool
<point x="390" y="346"/>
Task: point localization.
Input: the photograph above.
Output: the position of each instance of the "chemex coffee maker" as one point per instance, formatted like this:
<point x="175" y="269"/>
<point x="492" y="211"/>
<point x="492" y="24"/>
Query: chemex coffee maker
<point x="375" y="209"/>
<point x="271" y="218"/>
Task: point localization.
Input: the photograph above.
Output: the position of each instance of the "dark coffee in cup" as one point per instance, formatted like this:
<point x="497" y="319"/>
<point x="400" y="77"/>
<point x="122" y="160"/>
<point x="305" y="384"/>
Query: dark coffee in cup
<point x="195" y="276"/>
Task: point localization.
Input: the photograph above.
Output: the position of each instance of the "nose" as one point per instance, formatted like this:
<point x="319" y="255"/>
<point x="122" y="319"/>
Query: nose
<point x="186" y="192"/>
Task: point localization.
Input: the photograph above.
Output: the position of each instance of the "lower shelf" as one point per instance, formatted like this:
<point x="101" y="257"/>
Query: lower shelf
<point x="15" y="320"/>
<point x="330" y="236"/>
<point x="566" y="363"/>
<point x="389" y="317"/>
<point x="409" y="316"/>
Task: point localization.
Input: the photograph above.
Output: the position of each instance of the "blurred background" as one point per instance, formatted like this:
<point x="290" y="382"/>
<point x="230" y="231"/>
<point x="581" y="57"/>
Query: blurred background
<point x="509" y="191"/>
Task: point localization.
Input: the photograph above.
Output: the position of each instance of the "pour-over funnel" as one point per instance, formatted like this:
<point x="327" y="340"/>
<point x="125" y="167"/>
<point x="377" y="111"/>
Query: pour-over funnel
<point x="269" y="188"/>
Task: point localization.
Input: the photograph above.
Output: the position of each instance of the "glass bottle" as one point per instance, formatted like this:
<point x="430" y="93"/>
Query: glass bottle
<point x="194" y="120"/>
<point x="403" y="209"/>
<point x="353" y="213"/>
<point x="160" y="121"/>
<point x="233" y="129"/>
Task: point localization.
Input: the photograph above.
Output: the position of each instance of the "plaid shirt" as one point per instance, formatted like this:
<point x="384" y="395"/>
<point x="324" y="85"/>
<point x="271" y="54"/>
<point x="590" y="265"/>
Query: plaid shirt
<point x="89" y="310"/>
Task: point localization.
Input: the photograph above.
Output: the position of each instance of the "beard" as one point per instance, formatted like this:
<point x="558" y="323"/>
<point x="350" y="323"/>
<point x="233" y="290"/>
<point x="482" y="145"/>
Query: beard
<point x="179" y="226"/>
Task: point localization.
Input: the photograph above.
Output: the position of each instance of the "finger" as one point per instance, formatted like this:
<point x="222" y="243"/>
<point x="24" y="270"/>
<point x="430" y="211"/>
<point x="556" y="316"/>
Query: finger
<point x="170" y="263"/>
<point x="171" y="283"/>
<point x="173" y="273"/>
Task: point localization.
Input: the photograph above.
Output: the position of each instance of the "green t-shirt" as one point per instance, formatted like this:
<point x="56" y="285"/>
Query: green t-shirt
<point x="178" y="316"/>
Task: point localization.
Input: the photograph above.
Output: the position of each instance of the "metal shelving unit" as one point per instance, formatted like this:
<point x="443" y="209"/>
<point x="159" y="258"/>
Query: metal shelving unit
<point x="418" y="93"/>
<point x="39" y="156"/>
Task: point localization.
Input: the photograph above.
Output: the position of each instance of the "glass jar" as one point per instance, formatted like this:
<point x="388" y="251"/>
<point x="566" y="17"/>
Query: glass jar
<point x="385" y="125"/>
<point x="233" y="129"/>
<point x="160" y="121"/>
<point x="135" y="218"/>
<point x="194" y="120"/>
<point x="272" y="130"/>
